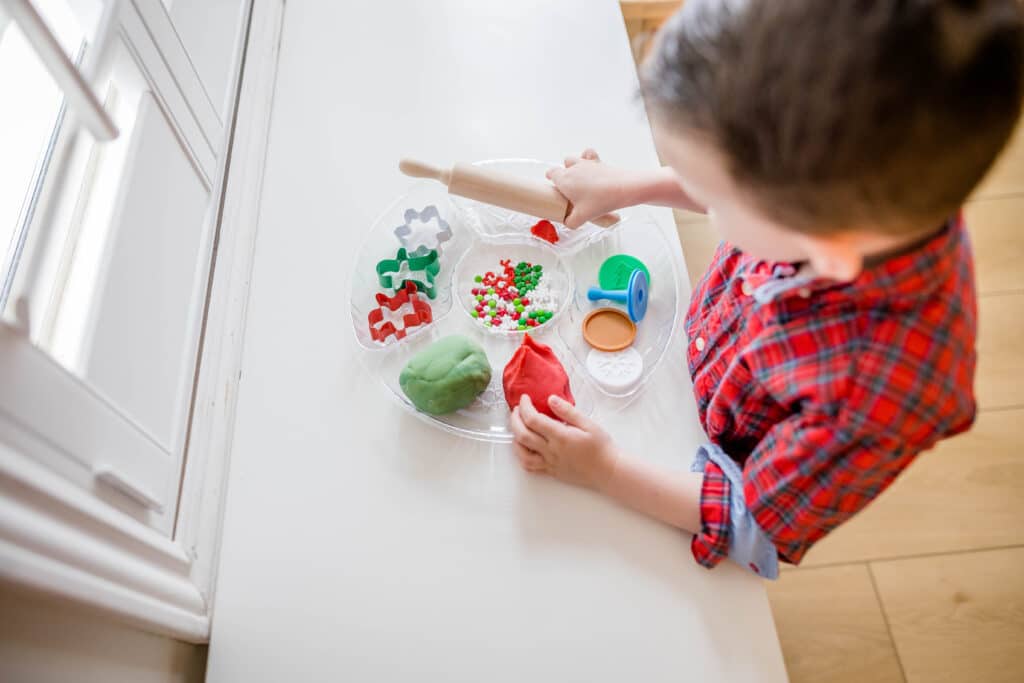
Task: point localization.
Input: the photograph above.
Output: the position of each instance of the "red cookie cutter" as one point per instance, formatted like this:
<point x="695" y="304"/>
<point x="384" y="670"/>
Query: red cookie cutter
<point x="421" y="313"/>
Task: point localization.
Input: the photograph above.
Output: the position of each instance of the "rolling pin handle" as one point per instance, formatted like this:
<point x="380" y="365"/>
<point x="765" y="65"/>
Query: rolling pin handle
<point x="419" y="169"/>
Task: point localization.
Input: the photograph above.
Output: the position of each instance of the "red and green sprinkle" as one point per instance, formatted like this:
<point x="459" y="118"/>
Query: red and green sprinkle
<point x="500" y="300"/>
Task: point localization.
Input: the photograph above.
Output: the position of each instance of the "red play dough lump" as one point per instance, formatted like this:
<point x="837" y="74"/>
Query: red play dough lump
<point x="534" y="370"/>
<point x="546" y="231"/>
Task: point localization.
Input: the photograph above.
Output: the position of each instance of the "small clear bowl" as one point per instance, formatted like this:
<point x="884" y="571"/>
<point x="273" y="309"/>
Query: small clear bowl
<point x="381" y="242"/>
<point x="485" y="256"/>
<point x="640" y="236"/>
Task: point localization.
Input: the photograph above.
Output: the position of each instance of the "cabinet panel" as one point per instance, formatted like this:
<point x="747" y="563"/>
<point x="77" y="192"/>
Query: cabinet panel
<point x="111" y="288"/>
<point x="143" y="347"/>
<point x="210" y="31"/>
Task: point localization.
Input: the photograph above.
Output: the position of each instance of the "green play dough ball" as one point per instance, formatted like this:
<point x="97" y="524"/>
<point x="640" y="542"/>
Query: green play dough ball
<point x="446" y="376"/>
<point x="615" y="271"/>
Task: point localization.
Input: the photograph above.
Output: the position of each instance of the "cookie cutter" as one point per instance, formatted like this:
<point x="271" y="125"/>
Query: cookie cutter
<point x="405" y="265"/>
<point x="425" y="237"/>
<point x="421" y="313"/>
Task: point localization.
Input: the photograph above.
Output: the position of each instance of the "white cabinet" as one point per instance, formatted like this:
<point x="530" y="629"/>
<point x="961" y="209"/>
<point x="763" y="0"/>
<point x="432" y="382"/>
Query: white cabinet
<point x="146" y="322"/>
<point x="107" y="290"/>
<point x="210" y="31"/>
<point x="111" y="281"/>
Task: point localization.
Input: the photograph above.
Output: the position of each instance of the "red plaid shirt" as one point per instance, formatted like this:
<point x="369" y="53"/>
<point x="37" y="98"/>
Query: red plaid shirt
<point x="825" y="392"/>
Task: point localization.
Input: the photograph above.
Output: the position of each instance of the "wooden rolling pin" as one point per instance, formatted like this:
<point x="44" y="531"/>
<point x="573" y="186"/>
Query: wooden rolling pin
<point x="532" y="197"/>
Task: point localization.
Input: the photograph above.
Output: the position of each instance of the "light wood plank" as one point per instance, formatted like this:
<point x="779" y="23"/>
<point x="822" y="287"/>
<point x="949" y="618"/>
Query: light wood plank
<point x="657" y="10"/>
<point x="1000" y="377"/>
<point x="1007" y="175"/>
<point x="831" y="628"/>
<point x="957" y="617"/>
<point x="966" y="494"/>
<point x="699" y="242"/>
<point x="684" y="217"/>
<point x="998" y="241"/>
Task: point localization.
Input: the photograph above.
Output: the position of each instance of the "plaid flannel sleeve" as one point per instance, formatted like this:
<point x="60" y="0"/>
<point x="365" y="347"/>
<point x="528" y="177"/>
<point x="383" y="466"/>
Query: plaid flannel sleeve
<point x="727" y="527"/>
<point x="710" y="545"/>
<point x="808" y="475"/>
<point x="814" y="471"/>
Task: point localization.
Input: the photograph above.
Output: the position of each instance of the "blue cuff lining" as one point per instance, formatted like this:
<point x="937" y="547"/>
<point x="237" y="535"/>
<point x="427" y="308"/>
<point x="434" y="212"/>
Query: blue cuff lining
<point x="749" y="546"/>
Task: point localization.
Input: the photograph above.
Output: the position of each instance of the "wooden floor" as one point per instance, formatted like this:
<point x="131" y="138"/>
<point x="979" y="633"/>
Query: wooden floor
<point x="927" y="584"/>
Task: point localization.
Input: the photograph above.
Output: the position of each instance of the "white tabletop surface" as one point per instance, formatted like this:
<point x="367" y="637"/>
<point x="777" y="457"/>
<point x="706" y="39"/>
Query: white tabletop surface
<point x="359" y="543"/>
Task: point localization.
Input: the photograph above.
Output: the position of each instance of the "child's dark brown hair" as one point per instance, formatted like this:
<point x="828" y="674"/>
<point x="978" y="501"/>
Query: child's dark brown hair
<point x="840" y="113"/>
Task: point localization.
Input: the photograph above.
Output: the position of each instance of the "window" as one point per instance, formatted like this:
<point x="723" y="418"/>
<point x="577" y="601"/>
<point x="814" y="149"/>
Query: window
<point x="105" y="248"/>
<point x="112" y="159"/>
<point x="29" y="127"/>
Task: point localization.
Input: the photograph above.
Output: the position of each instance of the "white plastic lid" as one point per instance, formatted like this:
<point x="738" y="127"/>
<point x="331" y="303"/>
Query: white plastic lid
<point x="616" y="371"/>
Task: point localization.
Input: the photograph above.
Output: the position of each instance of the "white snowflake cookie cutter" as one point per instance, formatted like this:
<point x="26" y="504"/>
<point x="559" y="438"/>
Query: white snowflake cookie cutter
<point x="423" y="231"/>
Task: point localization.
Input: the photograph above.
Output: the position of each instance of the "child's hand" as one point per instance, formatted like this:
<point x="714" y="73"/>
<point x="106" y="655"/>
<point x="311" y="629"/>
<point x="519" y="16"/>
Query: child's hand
<point x="578" y="452"/>
<point x="593" y="188"/>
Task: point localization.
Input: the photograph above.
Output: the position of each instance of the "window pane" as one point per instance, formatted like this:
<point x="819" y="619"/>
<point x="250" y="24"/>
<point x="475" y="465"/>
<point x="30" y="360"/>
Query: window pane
<point x="113" y="271"/>
<point x="28" y="123"/>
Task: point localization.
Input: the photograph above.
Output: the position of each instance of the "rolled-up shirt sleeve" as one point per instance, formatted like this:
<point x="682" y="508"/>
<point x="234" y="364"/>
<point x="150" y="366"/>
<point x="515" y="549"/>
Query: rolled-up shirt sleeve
<point x="809" y="474"/>
<point x="727" y="527"/>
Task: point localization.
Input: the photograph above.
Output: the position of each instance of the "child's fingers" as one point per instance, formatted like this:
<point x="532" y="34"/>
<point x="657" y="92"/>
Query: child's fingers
<point x="590" y="154"/>
<point x="574" y="219"/>
<point x="570" y="414"/>
<point x="532" y="441"/>
<point x="530" y="461"/>
<point x="571" y="161"/>
<point x="554" y="174"/>
<point x="537" y="422"/>
<point x="522" y="434"/>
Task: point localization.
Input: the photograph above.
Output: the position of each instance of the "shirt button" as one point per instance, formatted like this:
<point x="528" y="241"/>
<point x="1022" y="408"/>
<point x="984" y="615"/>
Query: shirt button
<point x="804" y="292"/>
<point x="747" y="288"/>
<point x="699" y="343"/>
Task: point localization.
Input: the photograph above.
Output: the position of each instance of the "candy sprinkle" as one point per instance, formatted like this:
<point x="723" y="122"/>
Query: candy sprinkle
<point x="503" y="298"/>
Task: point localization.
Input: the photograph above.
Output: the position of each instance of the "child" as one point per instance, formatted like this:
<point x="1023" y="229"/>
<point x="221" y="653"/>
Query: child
<point x="832" y="338"/>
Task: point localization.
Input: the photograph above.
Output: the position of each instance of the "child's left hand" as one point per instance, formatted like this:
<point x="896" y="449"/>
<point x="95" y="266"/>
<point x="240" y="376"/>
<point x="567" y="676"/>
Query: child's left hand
<point x="577" y="452"/>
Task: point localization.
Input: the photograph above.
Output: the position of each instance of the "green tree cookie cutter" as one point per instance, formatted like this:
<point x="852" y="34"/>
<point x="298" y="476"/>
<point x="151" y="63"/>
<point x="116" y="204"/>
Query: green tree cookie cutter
<point x="405" y="267"/>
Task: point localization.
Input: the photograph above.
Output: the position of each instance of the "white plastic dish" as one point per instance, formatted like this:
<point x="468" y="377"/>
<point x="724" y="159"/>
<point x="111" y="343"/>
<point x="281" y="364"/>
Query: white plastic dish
<point x="639" y="236"/>
<point x="479" y="240"/>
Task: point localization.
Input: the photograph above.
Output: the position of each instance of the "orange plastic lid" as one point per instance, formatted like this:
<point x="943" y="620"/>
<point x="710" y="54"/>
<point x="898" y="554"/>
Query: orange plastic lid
<point x="608" y="329"/>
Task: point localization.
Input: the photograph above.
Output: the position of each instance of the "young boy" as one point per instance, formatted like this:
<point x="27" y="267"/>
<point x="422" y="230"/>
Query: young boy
<point x="832" y="338"/>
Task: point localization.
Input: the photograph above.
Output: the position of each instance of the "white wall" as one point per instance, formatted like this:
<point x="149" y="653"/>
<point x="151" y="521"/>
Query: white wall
<point x="42" y="641"/>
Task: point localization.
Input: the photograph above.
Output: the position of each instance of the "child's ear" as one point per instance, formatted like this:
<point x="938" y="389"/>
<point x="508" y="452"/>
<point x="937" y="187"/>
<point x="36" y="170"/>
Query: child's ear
<point x="835" y="257"/>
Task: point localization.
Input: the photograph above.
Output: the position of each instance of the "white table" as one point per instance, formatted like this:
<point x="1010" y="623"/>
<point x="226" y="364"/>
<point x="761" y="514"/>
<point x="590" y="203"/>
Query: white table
<point x="362" y="545"/>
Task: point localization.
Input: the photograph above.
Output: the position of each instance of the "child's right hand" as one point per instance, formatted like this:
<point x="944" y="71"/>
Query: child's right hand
<point x="576" y="451"/>
<point x="592" y="187"/>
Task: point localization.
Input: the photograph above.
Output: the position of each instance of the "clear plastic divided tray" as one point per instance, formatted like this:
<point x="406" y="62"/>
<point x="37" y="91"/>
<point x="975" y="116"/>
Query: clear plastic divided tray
<point x="471" y="239"/>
